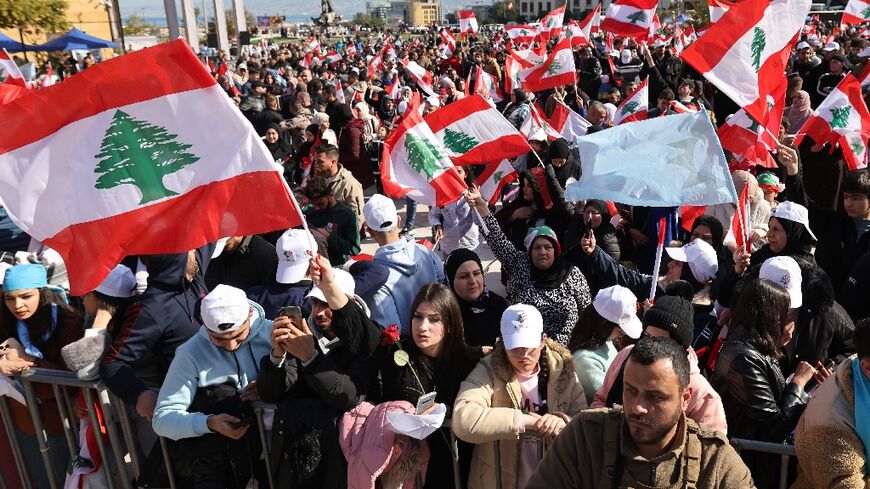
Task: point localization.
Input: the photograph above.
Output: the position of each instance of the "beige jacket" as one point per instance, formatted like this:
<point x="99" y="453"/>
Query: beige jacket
<point x="488" y="409"/>
<point x="830" y="454"/>
<point x="348" y="191"/>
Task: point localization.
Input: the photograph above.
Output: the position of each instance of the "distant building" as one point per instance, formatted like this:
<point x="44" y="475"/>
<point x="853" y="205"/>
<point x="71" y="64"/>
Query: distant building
<point x="422" y="13"/>
<point x="378" y="8"/>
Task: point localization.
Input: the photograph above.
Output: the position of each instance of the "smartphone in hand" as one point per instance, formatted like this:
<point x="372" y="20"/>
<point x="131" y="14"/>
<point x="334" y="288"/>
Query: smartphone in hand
<point x="425" y="402"/>
<point x="294" y="313"/>
<point x="243" y="422"/>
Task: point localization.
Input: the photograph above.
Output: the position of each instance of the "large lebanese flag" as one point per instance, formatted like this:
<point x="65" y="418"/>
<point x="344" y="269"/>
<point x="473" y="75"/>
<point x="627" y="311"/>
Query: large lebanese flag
<point x="521" y="34"/>
<point x="743" y="136"/>
<point x="575" y="34"/>
<point x="11" y="70"/>
<point x="718" y="9"/>
<point x="557" y="70"/>
<point x="630" y="18"/>
<point x="592" y="23"/>
<point x="635" y="107"/>
<point x="745" y="53"/>
<point x="856" y="12"/>
<point x="467" y="22"/>
<point x="422" y="76"/>
<point x="473" y="132"/>
<point x="551" y="24"/>
<point x="494" y="178"/>
<point x="568" y="123"/>
<point x="841" y="118"/>
<point x="415" y="163"/>
<point x="158" y="164"/>
<point x="535" y="123"/>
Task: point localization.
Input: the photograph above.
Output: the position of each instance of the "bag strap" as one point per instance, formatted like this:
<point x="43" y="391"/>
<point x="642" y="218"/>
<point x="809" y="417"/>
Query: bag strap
<point x="692" y="457"/>
<point x="613" y="460"/>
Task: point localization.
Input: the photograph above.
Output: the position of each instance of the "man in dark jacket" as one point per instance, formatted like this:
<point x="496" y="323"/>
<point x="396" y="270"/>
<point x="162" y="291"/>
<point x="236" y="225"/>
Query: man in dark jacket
<point x="292" y="282"/>
<point x="243" y="262"/>
<point x="331" y="223"/>
<point x="315" y="374"/>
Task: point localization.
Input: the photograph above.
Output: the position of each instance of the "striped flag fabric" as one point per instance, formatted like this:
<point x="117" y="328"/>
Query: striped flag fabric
<point x="350" y="50"/>
<point x="473" y="132"/>
<point x="422" y="76"/>
<point x="740" y="226"/>
<point x="745" y="137"/>
<point x="717" y="9"/>
<point x="493" y="179"/>
<point x="9" y="69"/>
<point x="521" y="33"/>
<point x="680" y="108"/>
<point x="416" y="164"/>
<point x="841" y="118"/>
<point x="576" y="35"/>
<point x="536" y="123"/>
<point x="635" y="107"/>
<point x="448" y="42"/>
<point x="745" y="53"/>
<point x="557" y="70"/>
<point x="164" y="166"/>
<point x="551" y="24"/>
<point x="333" y="57"/>
<point x="630" y="18"/>
<point x="856" y="12"/>
<point x="568" y="123"/>
<point x="591" y="24"/>
<point x="467" y="22"/>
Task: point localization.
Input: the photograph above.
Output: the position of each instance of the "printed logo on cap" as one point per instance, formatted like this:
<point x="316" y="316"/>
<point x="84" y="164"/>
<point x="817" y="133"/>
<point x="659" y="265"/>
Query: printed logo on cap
<point x="785" y="280"/>
<point x="521" y="320"/>
<point x="288" y="255"/>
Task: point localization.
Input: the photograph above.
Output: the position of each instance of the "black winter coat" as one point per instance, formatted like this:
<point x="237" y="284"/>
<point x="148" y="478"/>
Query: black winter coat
<point x="253" y="263"/>
<point x="311" y="400"/>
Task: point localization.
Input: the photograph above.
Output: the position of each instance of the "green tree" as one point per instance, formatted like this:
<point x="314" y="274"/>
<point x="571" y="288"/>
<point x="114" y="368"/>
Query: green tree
<point x="857" y="147"/>
<point x="630" y="108"/>
<point x="135" y="25"/>
<point x="34" y="16"/>
<point x="135" y="152"/>
<point x="423" y="156"/>
<point x="840" y="117"/>
<point x="496" y="177"/>
<point x="637" y="17"/>
<point x="554" y="67"/>
<point x="459" y="142"/>
<point x="369" y="20"/>
<point x="759" y="41"/>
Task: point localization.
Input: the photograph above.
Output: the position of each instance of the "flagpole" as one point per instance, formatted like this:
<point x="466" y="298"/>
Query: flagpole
<point x="658" y="263"/>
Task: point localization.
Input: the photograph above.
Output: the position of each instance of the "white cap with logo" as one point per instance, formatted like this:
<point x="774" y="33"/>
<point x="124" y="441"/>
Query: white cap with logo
<point x="380" y="213"/>
<point x="785" y="272"/>
<point x="344" y="281"/>
<point x="618" y="305"/>
<point x="802" y="45"/>
<point x="791" y="211"/>
<point x="225" y="309"/>
<point x="832" y="46"/>
<point x="521" y="327"/>
<point x="701" y="258"/>
<point x="120" y="283"/>
<point x="294" y="250"/>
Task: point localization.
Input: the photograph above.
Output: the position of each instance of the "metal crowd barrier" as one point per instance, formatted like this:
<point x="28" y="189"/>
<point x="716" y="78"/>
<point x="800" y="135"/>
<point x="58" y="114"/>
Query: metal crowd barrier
<point x="122" y="442"/>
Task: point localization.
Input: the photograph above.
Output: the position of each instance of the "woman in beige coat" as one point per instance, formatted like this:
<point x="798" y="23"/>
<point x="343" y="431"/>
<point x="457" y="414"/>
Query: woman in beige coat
<point x="504" y="397"/>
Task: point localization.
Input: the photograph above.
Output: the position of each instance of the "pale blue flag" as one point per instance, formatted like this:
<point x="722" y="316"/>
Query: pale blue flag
<point x="666" y="161"/>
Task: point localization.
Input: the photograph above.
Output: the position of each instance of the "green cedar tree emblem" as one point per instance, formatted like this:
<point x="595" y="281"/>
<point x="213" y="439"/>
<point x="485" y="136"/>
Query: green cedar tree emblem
<point x="630" y="108"/>
<point x="79" y="462"/>
<point x="496" y="177"/>
<point x="857" y="147"/>
<point x="759" y="41"/>
<point x="458" y="142"/>
<point x="138" y="153"/>
<point x="866" y="13"/>
<point x="840" y="117"/>
<point x="554" y="67"/>
<point x="753" y="126"/>
<point x="637" y="17"/>
<point x="423" y="156"/>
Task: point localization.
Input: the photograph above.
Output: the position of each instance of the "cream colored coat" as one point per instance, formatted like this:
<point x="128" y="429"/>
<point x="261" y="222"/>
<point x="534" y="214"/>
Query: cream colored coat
<point x="488" y="409"/>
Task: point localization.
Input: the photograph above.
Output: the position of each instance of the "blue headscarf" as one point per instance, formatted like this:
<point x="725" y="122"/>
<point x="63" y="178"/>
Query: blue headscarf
<point x="27" y="276"/>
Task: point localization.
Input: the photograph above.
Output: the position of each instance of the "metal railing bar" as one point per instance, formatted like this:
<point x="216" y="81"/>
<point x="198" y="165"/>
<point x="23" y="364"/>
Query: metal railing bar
<point x="13" y="442"/>
<point x="41" y="436"/>
<point x="98" y="436"/>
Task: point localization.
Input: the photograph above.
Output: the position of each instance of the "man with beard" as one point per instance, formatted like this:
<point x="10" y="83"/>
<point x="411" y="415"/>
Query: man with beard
<point x="649" y="444"/>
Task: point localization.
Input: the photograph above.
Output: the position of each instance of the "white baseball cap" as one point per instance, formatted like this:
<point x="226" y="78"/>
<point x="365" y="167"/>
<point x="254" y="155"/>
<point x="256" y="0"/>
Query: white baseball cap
<point x="701" y="258"/>
<point x="658" y="43"/>
<point x="343" y="279"/>
<point x="618" y="305"/>
<point x="119" y="283"/>
<point x="802" y="45"/>
<point x="521" y="327"/>
<point x="785" y="272"/>
<point x="791" y="211"/>
<point x="294" y="250"/>
<point x="225" y="309"/>
<point x="832" y="46"/>
<point x="380" y="213"/>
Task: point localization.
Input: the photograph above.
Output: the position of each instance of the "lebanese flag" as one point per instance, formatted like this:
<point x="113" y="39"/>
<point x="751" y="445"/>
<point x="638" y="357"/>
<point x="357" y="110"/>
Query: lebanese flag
<point x="841" y="118"/>
<point x="415" y="164"/>
<point x="512" y="69"/>
<point x="420" y="75"/>
<point x="392" y="90"/>
<point x="164" y="166"/>
<point x="576" y="35"/>
<point x="551" y="24"/>
<point x="485" y="86"/>
<point x="10" y="92"/>
<point x="333" y="57"/>
<point x="527" y="58"/>
<point x="679" y="108"/>
<point x="718" y="9"/>
<point x="473" y="132"/>
<point x="654" y="27"/>
<point x="856" y="12"/>
<point x="312" y="46"/>
<point x="307" y="61"/>
<point x="557" y="70"/>
<point x="740" y="226"/>
<point x="535" y="123"/>
<point x="568" y="123"/>
<point x="467" y="22"/>
<point x="521" y="34"/>
<point x="350" y="50"/>
<point x="745" y="54"/>
<point x="339" y="90"/>
<point x="11" y="70"/>
<point x="745" y="137"/>
<point x="449" y="42"/>
<point x="635" y="107"/>
<point x="592" y="23"/>
<point x="494" y="178"/>
<point x="630" y="18"/>
<point x="375" y="65"/>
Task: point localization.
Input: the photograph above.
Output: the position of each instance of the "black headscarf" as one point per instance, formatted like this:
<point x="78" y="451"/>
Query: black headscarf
<point x="280" y="149"/>
<point x="482" y="317"/>
<point x="715" y="229"/>
<point x="553" y="277"/>
<point x="798" y="240"/>
<point x="560" y="149"/>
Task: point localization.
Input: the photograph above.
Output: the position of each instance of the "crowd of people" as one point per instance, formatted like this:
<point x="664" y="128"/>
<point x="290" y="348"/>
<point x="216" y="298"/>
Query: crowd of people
<point x="366" y="355"/>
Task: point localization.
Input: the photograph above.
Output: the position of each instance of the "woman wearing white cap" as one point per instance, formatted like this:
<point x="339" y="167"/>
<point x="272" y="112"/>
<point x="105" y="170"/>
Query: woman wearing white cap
<point x="526" y="384"/>
<point x="612" y="313"/>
